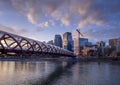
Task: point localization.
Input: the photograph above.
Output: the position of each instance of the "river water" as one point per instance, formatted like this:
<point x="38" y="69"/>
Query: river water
<point x="59" y="73"/>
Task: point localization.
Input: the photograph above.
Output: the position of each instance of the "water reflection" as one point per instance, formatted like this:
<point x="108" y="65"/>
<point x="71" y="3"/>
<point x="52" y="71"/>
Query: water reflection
<point x="51" y="73"/>
<point x="21" y="73"/>
<point x="91" y="73"/>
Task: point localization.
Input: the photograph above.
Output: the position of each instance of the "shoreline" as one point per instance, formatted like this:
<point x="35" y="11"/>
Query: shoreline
<point x="81" y="59"/>
<point x="107" y="59"/>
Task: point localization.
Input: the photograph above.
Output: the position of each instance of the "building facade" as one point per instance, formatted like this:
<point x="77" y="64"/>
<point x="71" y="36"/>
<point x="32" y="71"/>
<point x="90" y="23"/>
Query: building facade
<point x="101" y="48"/>
<point x="83" y="42"/>
<point x="50" y="42"/>
<point x="113" y="43"/>
<point x="58" y="41"/>
<point x="67" y="41"/>
<point x="118" y="45"/>
<point x="115" y="46"/>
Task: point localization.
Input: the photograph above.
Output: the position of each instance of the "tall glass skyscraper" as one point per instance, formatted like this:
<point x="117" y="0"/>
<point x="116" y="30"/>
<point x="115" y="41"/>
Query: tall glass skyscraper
<point x="82" y="41"/>
<point x="67" y="41"/>
<point x="58" y="41"/>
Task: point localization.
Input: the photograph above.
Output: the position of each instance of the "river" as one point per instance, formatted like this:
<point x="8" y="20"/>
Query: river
<point x="59" y="73"/>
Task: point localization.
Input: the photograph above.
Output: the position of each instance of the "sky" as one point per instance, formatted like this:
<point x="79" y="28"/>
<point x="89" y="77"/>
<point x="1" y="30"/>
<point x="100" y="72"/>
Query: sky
<point x="42" y="19"/>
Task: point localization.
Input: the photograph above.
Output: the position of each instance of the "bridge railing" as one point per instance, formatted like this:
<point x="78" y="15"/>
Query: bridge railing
<point x="14" y="43"/>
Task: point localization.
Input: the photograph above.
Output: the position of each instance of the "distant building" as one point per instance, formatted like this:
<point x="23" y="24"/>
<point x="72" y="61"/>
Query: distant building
<point x="44" y="41"/>
<point x="115" y="46"/>
<point x="50" y="42"/>
<point x="107" y="50"/>
<point x="113" y="43"/>
<point x="83" y="42"/>
<point x="88" y="44"/>
<point x="67" y="41"/>
<point x="90" y="50"/>
<point x="101" y="46"/>
<point x="58" y="41"/>
<point x="76" y="46"/>
<point x="118" y="45"/>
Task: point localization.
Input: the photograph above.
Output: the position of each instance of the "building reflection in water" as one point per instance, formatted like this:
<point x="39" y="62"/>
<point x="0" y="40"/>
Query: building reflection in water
<point x="64" y="64"/>
<point x="46" y="67"/>
<point x="21" y="73"/>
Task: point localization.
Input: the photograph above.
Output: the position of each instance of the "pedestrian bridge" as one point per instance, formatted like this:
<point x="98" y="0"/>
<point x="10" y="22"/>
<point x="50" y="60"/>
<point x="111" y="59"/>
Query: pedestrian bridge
<point x="12" y="44"/>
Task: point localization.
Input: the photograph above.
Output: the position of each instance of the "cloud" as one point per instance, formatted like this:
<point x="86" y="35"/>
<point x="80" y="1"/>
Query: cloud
<point x="66" y="20"/>
<point x="13" y="30"/>
<point x="1" y="12"/>
<point x="102" y="33"/>
<point x="52" y="22"/>
<point x="31" y="19"/>
<point x="30" y="9"/>
<point x="22" y="32"/>
<point x="7" y="29"/>
<point x="43" y="25"/>
<point x="36" y="8"/>
<point x="97" y="14"/>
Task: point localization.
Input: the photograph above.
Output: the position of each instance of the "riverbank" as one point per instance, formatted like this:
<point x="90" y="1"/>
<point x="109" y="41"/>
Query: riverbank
<point x="60" y="59"/>
<point x="109" y="59"/>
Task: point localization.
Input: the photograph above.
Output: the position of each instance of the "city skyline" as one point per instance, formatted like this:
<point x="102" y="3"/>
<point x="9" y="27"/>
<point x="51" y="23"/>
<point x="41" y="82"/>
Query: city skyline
<point x="42" y="19"/>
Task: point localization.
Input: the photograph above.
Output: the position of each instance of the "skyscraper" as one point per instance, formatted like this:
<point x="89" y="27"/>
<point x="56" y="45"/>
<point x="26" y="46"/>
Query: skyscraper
<point x="115" y="44"/>
<point x="101" y="47"/>
<point x="118" y="45"/>
<point x="58" y="40"/>
<point x="67" y="41"/>
<point x="83" y="42"/>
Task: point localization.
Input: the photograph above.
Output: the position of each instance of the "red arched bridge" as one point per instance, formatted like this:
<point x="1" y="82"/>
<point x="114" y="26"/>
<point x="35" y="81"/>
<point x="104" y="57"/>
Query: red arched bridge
<point x="13" y="44"/>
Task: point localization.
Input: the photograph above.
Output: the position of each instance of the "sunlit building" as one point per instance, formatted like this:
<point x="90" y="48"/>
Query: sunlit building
<point x="76" y="46"/>
<point x="89" y="50"/>
<point x="67" y="41"/>
<point x="83" y="42"/>
<point x="113" y="43"/>
<point x="115" y="46"/>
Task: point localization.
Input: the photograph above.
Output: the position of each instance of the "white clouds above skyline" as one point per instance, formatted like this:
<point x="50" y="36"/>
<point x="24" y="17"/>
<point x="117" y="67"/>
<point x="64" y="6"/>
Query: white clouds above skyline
<point x="82" y="13"/>
<point x="89" y="10"/>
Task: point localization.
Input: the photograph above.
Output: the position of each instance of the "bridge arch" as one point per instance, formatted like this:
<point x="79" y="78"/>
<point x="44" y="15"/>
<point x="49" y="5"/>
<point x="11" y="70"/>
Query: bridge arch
<point x="14" y="43"/>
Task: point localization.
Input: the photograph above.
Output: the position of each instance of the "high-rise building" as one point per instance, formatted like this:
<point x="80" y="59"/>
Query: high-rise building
<point x="67" y="41"/>
<point x="118" y="45"/>
<point x="115" y="46"/>
<point x="83" y="42"/>
<point x="101" y="48"/>
<point x="100" y="44"/>
<point x="76" y="46"/>
<point x="50" y="42"/>
<point x="58" y="41"/>
<point x="112" y="42"/>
